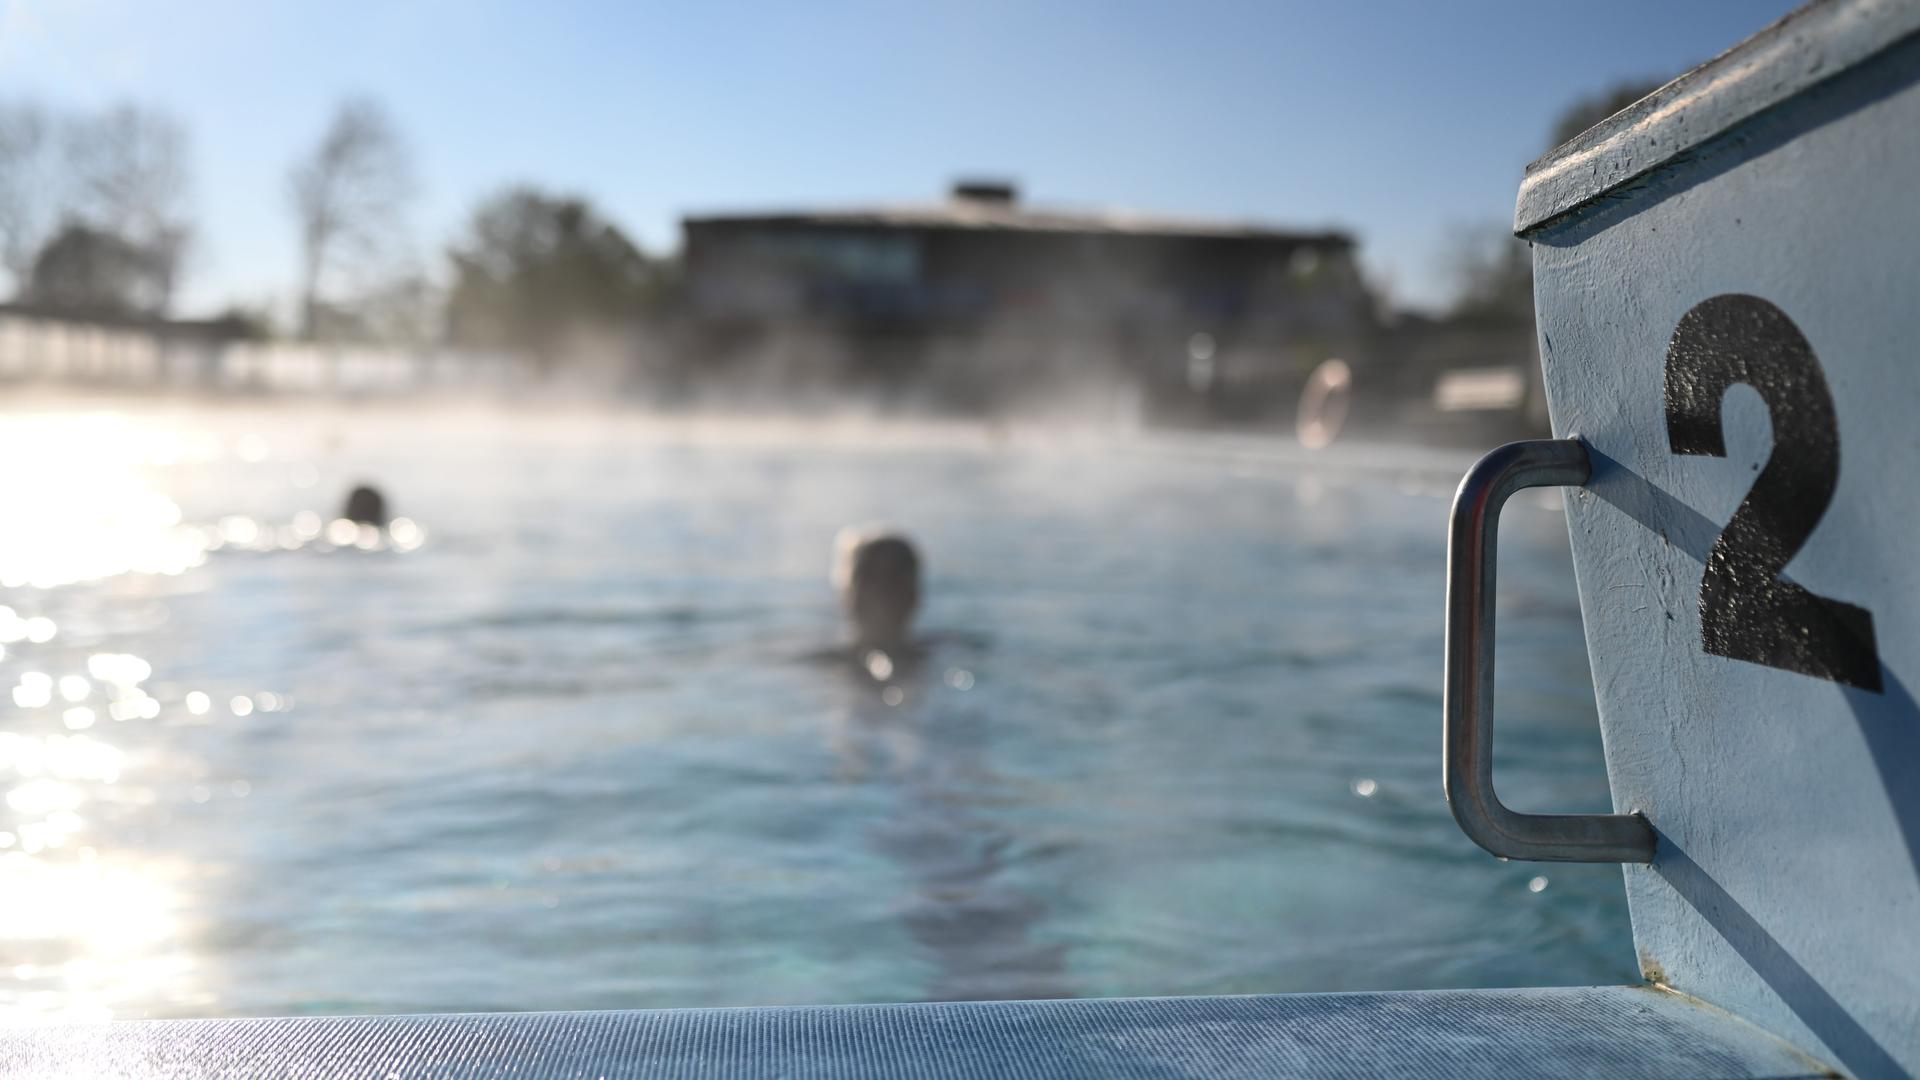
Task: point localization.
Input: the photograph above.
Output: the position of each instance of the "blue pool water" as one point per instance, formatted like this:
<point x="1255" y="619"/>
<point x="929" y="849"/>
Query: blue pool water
<point x="587" y="743"/>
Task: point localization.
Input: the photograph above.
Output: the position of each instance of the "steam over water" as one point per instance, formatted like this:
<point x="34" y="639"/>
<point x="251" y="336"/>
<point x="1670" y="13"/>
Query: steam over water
<point x="574" y="734"/>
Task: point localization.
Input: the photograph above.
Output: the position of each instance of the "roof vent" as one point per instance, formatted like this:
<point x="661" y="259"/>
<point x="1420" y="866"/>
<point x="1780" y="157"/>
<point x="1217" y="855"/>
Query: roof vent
<point x="986" y="192"/>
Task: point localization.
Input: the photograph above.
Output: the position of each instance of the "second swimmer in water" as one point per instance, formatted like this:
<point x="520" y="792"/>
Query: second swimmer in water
<point x="876" y="573"/>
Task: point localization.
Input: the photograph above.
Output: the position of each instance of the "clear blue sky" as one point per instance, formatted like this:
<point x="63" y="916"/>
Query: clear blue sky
<point x="1404" y="122"/>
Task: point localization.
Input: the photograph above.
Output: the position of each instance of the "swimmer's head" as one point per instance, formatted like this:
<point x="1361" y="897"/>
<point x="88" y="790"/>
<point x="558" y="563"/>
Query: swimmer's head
<point x="877" y="574"/>
<point x="365" y="506"/>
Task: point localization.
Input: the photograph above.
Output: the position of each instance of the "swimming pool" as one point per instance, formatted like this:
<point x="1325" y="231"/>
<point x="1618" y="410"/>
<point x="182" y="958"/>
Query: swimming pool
<point x="586" y="742"/>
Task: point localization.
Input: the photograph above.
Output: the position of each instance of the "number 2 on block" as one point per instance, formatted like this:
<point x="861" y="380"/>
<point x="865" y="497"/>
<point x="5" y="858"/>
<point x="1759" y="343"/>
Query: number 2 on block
<point x="1748" y="610"/>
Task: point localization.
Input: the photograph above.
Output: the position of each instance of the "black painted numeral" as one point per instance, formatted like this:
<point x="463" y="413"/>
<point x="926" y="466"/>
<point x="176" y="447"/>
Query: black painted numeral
<point x="1748" y="611"/>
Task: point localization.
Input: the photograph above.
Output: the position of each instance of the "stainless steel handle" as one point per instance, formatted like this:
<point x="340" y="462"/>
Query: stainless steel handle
<point x="1467" y="769"/>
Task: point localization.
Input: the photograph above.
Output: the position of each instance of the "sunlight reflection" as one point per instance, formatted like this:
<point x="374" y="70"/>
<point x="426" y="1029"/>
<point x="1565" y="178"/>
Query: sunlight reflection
<point x="237" y="532"/>
<point x="93" y="514"/>
<point x="65" y="757"/>
<point x="89" y="935"/>
<point x="13" y="628"/>
<point x="34" y="690"/>
<point x="119" y="669"/>
<point x="406" y="534"/>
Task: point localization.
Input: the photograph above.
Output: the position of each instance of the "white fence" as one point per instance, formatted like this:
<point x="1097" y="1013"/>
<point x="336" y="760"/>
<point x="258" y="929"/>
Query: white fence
<point x="60" y="351"/>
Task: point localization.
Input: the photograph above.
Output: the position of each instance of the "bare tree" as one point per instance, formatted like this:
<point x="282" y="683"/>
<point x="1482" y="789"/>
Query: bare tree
<point x="28" y="193"/>
<point x="350" y="196"/>
<point x="127" y="171"/>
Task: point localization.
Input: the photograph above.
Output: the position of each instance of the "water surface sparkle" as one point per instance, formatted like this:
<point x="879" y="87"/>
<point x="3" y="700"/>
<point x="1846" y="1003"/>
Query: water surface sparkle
<point x="578" y="731"/>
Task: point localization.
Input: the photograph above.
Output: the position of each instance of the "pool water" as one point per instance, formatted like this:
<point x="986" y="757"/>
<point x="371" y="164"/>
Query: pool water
<point x="579" y="732"/>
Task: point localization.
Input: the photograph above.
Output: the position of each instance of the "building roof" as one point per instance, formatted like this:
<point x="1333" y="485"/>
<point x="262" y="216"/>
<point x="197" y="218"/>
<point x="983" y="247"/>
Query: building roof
<point x="997" y="216"/>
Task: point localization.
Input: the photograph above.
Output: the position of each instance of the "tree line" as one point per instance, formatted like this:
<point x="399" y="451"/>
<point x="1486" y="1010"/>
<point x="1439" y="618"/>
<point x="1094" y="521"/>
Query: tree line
<point x="95" y="223"/>
<point x="92" y="207"/>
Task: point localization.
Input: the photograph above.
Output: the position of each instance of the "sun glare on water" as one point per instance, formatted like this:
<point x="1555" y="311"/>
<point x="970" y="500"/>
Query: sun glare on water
<point x="87" y="931"/>
<point x="84" y="932"/>
<point x="82" y="508"/>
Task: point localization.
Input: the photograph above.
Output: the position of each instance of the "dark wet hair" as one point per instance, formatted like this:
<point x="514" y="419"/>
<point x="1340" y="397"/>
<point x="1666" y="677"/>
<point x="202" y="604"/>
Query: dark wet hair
<point x="883" y="585"/>
<point x="886" y="559"/>
<point x="366" y="506"/>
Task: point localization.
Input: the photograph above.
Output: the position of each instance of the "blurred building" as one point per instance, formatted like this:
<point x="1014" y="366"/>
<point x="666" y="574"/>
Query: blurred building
<point x="978" y="301"/>
<point x="1467" y="380"/>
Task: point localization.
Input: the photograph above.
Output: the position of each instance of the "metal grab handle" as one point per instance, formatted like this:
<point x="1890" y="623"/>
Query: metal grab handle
<point x="1467" y="769"/>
